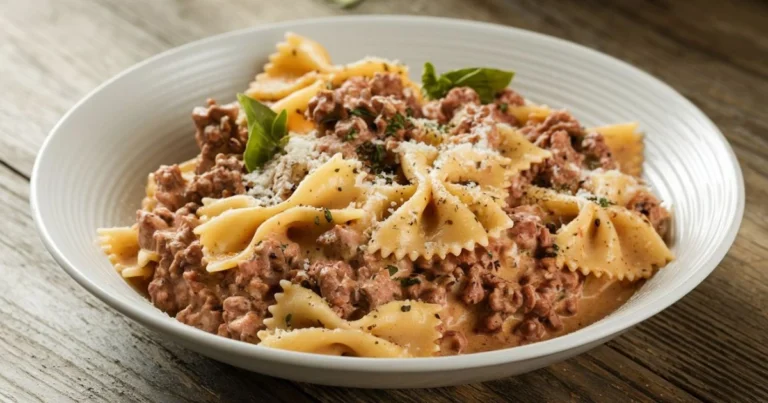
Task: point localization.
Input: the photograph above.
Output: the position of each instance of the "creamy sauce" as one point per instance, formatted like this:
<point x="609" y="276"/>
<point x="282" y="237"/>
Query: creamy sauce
<point x="600" y="297"/>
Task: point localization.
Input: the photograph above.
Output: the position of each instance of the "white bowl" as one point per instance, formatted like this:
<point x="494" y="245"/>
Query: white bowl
<point x="91" y="171"/>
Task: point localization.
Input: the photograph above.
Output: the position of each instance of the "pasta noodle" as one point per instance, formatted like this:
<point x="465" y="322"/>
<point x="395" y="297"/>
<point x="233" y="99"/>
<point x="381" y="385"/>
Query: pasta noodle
<point x="350" y="342"/>
<point x="411" y="325"/>
<point x="391" y="219"/>
<point x="328" y="189"/>
<point x="442" y="217"/>
<point x="611" y="241"/>
<point x="626" y="145"/>
<point x="297" y="63"/>
<point x="121" y="244"/>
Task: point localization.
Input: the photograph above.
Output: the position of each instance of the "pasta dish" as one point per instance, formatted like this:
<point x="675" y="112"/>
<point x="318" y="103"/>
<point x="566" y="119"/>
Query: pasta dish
<point x="345" y="209"/>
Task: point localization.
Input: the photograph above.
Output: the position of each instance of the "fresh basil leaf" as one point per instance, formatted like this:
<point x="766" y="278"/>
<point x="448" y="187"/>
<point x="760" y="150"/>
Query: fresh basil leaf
<point x="259" y="149"/>
<point x="256" y="112"/>
<point x="266" y="132"/>
<point x="429" y="81"/>
<point x="487" y="82"/>
<point x="279" y="126"/>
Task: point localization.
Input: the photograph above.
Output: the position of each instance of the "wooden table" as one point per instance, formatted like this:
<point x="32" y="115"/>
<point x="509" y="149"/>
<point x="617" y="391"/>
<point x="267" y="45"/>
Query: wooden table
<point x="58" y="343"/>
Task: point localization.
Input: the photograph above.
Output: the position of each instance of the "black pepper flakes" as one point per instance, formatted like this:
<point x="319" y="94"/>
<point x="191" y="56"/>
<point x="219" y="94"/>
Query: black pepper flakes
<point x="405" y="308"/>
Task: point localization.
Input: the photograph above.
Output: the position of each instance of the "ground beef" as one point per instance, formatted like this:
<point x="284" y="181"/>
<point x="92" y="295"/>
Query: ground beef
<point x="179" y="251"/>
<point x="337" y="285"/>
<point x="509" y="97"/>
<point x="225" y="179"/>
<point x="355" y="116"/>
<point x="271" y="262"/>
<point x="204" y="308"/>
<point x="433" y="292"/>
<point x="443" y="109"/>
<point x="340" y="242"/>
<point x="353" y="132"/>
<point x="474" y="292"/>
<point x="596" y="152"/>
<point x="148" y="224"/>
<point x="650" y="207"/>
<point x="171" y="187"/>
<point x="380" y="289"/>
<point x="325" y="108"/>
<point x="243" y="318"/>
<point x="529" y="232"/>
<point x="539" y="133"/>
<point x="518" y="185"/>
<point x="218" y="133"/>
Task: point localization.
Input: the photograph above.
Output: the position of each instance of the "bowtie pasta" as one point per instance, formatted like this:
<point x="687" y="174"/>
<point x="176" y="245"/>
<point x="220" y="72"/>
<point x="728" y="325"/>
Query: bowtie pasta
<point x="345" y="209"/>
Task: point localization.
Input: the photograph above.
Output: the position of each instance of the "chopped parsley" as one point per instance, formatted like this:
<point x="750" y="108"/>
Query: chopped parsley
<point x="602" y="201"/>
<point x="392" y="270"/>
<point x="409" y="281"/>
<point x="317" y="220"/>
<point x="503" y="107"/>
<point x="361" y="112"/>
<point x="328" y="215"/>
<point x="351" y="135"/>
<point x="288" y="319"/>
<point x="374" y="154"/>
<point x="405" y="308"/>
<point x="396" y="123"/>
<point x="592" y="162"/>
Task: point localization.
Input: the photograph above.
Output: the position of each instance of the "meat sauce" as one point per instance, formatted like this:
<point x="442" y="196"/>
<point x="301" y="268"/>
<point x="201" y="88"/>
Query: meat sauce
<point x="506" y="294"/>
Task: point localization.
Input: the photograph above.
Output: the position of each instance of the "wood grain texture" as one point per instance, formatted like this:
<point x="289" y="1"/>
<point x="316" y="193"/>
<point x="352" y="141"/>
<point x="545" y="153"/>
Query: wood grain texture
<point x="57" y="343"/>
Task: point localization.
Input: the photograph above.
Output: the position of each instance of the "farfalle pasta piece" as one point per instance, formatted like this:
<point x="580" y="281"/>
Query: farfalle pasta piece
<point x="409" y="324"/>
<point x="295" y="105"/>
<point x="617" y="187"/>
<point x="611" y="241"/>
<point x="559" y="207"/>
<point x="230" y="236"/>
<point x="524" y="113"/>
<point x="443" y="216"/>
<point x="215" y="207"/>
<point x="626" y="145"/>
<point x="519" y="150"/>
<point x="484" y="167"/>
<point x="121" y="245"/>
<point x="339" y="342"/>
<point x="298" y="63"/>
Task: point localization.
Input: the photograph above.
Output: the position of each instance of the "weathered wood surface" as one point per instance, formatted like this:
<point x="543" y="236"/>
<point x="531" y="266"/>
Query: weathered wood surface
<point x="58" y="343"/>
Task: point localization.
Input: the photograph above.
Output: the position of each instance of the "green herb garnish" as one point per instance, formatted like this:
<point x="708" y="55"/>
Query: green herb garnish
<point x="392" y="270"/>
<point x="396" y="123"/>
<point x="317" y="220"/>
<point x="288" y="319"/>
<point x="487" y="82"/>
<point x="351" y="135"/>
<point x="266" y="130"/>
<point x="603" y="202"/>
<point x="409" y="281"/>
<point x="374" y="154"/>
<point x="328" y="216"/>
<point x="361" y="112"/>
